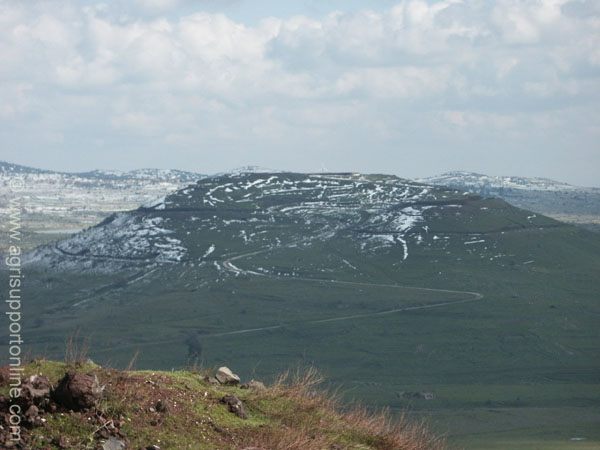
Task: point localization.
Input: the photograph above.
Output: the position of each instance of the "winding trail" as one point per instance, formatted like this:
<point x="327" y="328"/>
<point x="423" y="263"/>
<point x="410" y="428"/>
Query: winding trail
<point x="228" y="265"/>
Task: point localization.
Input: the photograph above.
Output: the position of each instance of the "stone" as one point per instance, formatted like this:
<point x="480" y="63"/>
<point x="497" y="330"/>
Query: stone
<point x="77" y="391"/>
<point x="254" y="385"/>
<point x="226" y="377"/>
<point x="162" y="407"/>
<point x="114" y="444"/>
<point x="211" y="380"/>
<point x="36" y="388"/>
<point x="32" y="412"/>
<point x="235" y="406"/>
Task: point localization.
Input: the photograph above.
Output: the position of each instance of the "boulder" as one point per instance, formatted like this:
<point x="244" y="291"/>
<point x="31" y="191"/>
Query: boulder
<point x="77" y="391"/>
<point x="227" y="377"/>
<point x="235" y="406"/>
<point x="254" y="385"/>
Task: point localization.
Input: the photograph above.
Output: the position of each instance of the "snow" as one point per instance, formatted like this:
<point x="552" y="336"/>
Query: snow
<point x="158" y="204"/>
<point x="475" y="242"/>
<point x="373" y="213"/>
<point x="470" y="180"/>
<point x="126" y="236"/>
<point x="209" y="251"/>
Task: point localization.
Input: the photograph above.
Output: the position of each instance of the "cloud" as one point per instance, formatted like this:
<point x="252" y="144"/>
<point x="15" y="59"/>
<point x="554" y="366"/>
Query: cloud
<point x="155" y="79"/>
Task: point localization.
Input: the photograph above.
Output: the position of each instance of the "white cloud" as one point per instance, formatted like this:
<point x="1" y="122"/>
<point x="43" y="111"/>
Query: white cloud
<point x="417" y="67"/>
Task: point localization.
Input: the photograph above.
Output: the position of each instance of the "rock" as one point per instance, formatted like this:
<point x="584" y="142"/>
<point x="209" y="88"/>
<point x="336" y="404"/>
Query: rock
<point x="235" y="406"/>
<point x="77" y="391"/>
<point x="227" y="377"/>
<point x="31" y="413"/>
<point x="162" y="407"/>
<point x="36" y="388"/>
<point x="211" y="380"/>
<point x="114" y="444"/>
<point x="254" y="385"/>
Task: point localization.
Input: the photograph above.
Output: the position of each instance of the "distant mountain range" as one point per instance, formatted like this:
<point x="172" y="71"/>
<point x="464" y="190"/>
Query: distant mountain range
<point x="562" y="201"/>
<point x="475" y="181"/>
<point x="153" y="175"/>
<point x="61" y="203"/>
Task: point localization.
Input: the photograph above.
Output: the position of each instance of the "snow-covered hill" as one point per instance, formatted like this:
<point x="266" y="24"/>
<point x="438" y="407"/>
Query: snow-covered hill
<point x="477" y="181"/>
<point x="252" y="212"/>
<point x="98" y="176"/>
<point x="565" y="202"/>
<point x="56" y="204"/>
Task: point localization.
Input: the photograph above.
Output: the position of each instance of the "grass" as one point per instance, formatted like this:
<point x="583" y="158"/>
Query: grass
<point x="294" y="413"/>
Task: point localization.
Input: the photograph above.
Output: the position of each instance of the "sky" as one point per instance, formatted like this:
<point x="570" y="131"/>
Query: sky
<point x="413" y="87"/>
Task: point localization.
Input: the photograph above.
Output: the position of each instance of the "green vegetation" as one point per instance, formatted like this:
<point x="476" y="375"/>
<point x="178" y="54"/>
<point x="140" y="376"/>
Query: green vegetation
<point x="526" y="351"/>
<point x="292" y="414"/>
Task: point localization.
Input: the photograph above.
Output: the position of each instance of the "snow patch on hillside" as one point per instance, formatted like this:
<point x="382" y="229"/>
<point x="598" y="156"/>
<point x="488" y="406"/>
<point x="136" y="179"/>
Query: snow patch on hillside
<point x="126" y="236"/>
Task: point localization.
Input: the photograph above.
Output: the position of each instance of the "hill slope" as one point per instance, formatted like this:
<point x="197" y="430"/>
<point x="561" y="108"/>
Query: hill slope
<point x="189" y="409"/>
<point x="390" y="286"/>
<point x="562" y="201"/>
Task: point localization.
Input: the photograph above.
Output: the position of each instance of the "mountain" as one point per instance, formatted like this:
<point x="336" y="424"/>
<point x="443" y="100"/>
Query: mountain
<point x="392" y="287"/>
<point x="267" y="211"/>
<point x="104" y="176"/>
<point x="58" y="204"/>
<point x="562" y="201"/>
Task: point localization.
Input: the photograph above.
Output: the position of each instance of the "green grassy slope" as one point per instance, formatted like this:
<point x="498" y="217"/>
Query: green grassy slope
<point x="177" y="410"/>
<point x="529" y="340"/>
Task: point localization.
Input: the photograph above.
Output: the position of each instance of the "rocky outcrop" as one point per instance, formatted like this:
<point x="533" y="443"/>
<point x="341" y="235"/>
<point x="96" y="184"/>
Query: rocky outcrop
<point x="254" y="385"/>
<point x="77" y="391"/>
<point x="226" y="377"/>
